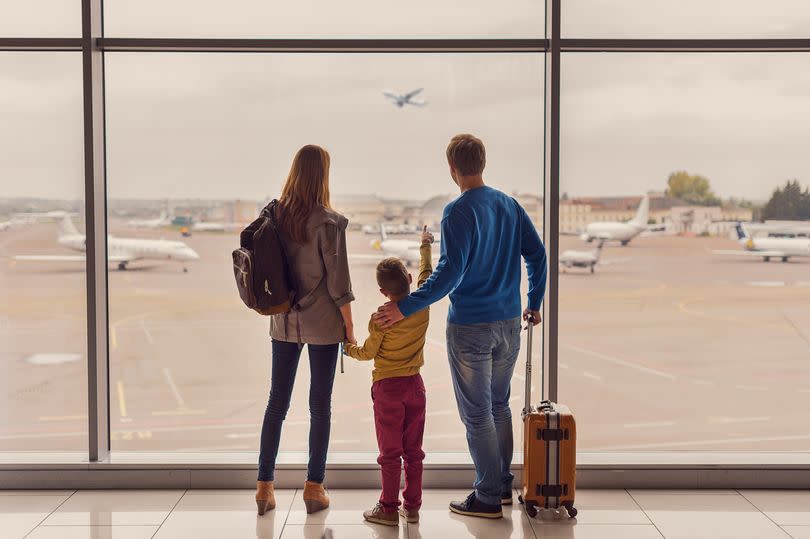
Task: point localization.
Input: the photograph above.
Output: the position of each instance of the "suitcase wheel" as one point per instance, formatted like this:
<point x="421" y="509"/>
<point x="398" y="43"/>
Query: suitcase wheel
<point x="572" y="511"/>
<point x="531" y="510"/>
<point x="520" y="498"/>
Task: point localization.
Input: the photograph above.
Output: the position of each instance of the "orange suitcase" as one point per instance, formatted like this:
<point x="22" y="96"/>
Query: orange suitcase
<point x="549" y="451"/>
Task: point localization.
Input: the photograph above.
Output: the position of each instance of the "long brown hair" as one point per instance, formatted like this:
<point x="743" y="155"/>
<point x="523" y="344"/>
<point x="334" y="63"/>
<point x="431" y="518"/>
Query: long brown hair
<point x="307" y="186"/>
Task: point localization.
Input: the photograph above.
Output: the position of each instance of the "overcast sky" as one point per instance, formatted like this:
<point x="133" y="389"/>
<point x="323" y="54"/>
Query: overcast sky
<point x="213" y="125"/>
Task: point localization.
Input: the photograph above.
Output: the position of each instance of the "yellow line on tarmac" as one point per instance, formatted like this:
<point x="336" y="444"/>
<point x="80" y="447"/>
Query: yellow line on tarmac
<point x="122" y="403"/>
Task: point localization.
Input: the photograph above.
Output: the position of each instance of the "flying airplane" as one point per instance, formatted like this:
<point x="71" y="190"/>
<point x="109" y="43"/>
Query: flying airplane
<point x="400" y="100"/>
<point x="405" y="250"/>
<point x="119" y="250"/>
<point x="617" y="231"/>
<point x="768" y="247"/>
<point x="163" y="220"/>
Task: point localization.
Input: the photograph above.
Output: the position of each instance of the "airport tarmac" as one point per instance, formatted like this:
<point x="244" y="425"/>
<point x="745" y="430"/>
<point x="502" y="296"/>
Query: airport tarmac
<point x="670" y="348"/>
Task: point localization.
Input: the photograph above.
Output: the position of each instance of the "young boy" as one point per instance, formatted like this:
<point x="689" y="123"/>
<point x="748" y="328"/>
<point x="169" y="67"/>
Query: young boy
<point x="398" y="392"/>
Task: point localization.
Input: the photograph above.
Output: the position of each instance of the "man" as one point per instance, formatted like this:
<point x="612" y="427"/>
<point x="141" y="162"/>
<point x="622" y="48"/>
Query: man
<point x="484" y="235"/>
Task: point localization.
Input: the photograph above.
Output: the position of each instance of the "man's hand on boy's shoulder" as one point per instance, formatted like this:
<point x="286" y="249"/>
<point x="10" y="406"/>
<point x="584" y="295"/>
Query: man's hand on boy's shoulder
<point x="387" y="315"/>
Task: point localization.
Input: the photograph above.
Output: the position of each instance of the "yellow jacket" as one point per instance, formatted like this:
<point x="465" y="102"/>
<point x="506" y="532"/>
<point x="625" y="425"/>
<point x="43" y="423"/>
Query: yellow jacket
<point x="398" y="350"/>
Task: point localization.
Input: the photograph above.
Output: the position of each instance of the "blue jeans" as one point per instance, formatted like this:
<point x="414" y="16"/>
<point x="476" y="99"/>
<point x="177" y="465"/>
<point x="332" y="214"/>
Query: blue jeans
<point x="482" y="359"/>
<point x="322" y="362"/>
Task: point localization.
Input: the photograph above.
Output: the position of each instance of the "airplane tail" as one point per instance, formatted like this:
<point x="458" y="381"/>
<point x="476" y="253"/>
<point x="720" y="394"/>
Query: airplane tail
<point x="67" y="228"/>
<point x="642" y="213"/>
<point x="742" y="234"/>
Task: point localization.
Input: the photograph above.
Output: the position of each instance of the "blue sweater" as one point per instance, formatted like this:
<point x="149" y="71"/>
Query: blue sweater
<point x="484" y="235"/>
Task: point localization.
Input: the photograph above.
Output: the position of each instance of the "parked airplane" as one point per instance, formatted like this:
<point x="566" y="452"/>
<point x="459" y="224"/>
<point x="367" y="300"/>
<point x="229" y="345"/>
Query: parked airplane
<point x="400" y="100"/>
<point x="582" y="259"/>
<point x="119" y="250"/>
<point x="163" y="220"/>
<point x="5" y="225"/>
<point x="406" y="250"/>
<point x="211" y="226"/>
<point x="617" y="231"/>
<point x="586" y="259"/>
<point x="768" y="247"/>
<point x="35" y="217"/>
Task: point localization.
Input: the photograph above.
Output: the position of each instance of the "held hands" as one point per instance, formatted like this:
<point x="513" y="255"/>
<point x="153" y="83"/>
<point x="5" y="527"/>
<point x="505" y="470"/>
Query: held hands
<point x="427" y="236"/>
<point x="531" y="316"/>
<point x="388" y="315"/>
<point x="350" y="335"/>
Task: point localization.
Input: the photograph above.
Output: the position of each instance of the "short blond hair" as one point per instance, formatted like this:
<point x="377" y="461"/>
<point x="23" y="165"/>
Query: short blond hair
<point x="466" y="153"/>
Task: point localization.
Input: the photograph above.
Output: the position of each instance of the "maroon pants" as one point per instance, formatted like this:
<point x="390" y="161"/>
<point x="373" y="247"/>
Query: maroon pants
<point x="399" y="418"/>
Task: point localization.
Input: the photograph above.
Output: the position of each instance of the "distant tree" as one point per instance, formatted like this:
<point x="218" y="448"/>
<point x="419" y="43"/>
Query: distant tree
<point x="692" y="188"/>
<point x="790" y="203"/>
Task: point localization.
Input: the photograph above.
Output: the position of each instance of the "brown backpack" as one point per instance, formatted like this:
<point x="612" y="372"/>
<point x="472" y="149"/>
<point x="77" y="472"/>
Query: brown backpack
<point x="260" y="266"/>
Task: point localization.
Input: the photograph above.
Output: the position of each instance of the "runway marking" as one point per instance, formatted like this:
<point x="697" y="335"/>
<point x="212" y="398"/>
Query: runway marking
<point x="766" y="283"/>
<point x="751" y="388"/>
<point x="146" y="331"/>
<point x="693" y="443"/>
<point x="803" y="390"/>
<point x="62" y="417"/>
<point x="122" y="402"/>
<point x="519" y="377"/>
<point x="729" y="420"/>
<point x="622" y="362"/>
<point x="113" y="337"/>
<point x="649" y="424"/>
<point x="176" y="392"/>
<point x="707" y="383"/>
<point x="179" y="411"/>
<point x="592" y="376"/>
<point x="684" y="307"/>
<point x="563" y="365"/>
<point x="237" y="436"/>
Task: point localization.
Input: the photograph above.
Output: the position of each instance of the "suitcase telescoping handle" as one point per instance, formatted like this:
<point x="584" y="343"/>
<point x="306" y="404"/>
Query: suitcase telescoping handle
<point x="527" y="409"/>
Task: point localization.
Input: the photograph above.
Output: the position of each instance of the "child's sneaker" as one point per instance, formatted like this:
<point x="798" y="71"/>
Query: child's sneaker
<point x="410" y="515"/>
<point x="379" y="516"/>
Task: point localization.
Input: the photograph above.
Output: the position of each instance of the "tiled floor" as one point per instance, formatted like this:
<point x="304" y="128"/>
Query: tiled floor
<point x="221" y="514"/>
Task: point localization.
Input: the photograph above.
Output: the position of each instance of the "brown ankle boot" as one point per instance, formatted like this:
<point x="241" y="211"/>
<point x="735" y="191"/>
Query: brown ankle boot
<point x="315" y="497"/>
<point x="265" y="496"/>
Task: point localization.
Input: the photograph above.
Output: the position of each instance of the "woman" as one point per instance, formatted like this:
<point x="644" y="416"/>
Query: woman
<point x="314" y="240"/>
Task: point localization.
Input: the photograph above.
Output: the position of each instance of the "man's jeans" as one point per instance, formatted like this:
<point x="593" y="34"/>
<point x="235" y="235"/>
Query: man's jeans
<point x="482" y="359"/>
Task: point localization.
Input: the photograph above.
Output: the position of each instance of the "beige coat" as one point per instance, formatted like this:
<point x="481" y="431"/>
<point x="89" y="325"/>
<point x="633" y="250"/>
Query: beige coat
<point x="319" y="271"/>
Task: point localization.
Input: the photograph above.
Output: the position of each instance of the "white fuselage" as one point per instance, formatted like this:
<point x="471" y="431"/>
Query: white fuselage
<point x="786" y="246"/>
<point x="215" y="227"/>
<point x="612" y="231"/>
<point x="127" y="250"/>
<point x="578" y="259"/>
<point x="406" y="250"/>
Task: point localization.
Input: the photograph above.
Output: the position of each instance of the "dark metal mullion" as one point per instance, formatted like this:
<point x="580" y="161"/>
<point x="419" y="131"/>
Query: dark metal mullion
<point x="95" y="200"/>
<point x="684" y="45"/>
<point x="551" y="225"/>
<point x="321" y="45"/>
<point x="40" y="44"/>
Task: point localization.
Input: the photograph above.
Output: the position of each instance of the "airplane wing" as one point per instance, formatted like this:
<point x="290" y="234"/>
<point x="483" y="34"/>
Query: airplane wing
<point x="774" y="254"/>
<point x="390" y="95"/>
<point x="65" y="258"/>
<point x="413" y="93"/>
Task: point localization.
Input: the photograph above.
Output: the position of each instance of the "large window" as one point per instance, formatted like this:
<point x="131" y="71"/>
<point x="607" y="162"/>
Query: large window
<point x="203" y="140"/>
<point x="43" y="374"/>
<point x="685" y="19"/>
<point x="673" y="344"/>
<point x="323" y="19"/>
